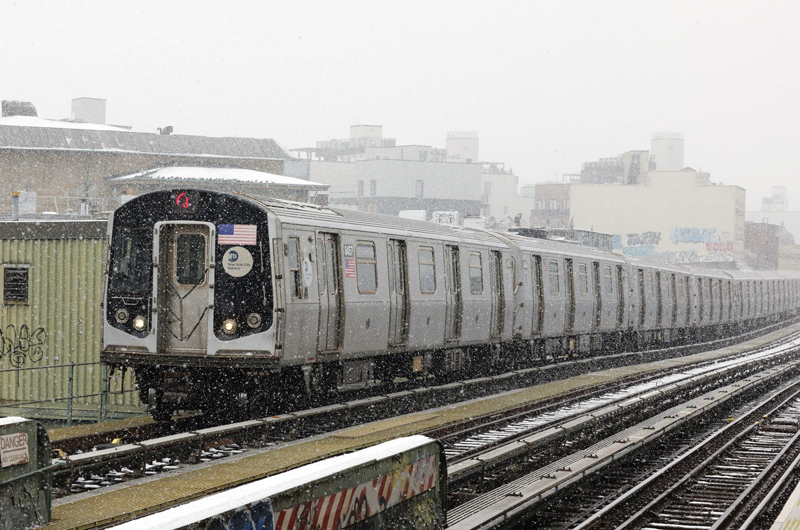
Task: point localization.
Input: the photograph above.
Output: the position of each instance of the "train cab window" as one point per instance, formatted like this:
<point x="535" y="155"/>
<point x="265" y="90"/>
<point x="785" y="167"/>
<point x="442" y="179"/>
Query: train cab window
<point x="190" y="259"/>
<point x="583" y="279"/>
<point x="427" y="271"/>
<point x="554" y="281"/>
<point x="475" y="273"/>
<point x="132" y="260"/>
<point x="366" y="267"/>
<point x="294" y="268"/>
<point x="609" y="281"/>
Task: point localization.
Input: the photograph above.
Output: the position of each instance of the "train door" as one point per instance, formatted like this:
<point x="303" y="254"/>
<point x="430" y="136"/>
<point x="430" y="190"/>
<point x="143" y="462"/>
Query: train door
<point x="642" y="298"/>
<point x="538" y="294"/>
<point x="453" y="308"/>
<point x="498" y="294"/>
<point x="674" y="288"/>
<point x="329" y="338"/>
<point x="398" y="287"/>
<point x="569" y="284"/>
<point x="598" y="295"/>
<point x="620" y="297"/>
<point x="700" y="305"/>
<point x="184" y="252"/>
<point x="659" y="301"/>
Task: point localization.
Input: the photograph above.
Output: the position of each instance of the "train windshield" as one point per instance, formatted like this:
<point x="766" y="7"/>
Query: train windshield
<point x="131" y="260"/>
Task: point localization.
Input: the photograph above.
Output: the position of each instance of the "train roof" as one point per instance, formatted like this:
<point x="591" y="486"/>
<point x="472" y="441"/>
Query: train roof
<point x="306" y="214"/>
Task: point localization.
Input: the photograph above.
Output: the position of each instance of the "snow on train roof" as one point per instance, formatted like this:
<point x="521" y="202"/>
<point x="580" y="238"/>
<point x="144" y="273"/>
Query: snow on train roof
<point x="216" y="174"/>
<point x="320" y="216"/>
<point x="212" y="505"/>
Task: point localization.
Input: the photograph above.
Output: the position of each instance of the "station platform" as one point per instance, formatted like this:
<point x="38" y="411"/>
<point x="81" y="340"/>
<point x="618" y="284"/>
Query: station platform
<point x="126" y="501"/>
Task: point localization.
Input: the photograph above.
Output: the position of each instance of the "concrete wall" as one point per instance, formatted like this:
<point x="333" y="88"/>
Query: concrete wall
<point x="397" y="178"/>
<point x="340" y="176"/>
<point x="674" y="217"/>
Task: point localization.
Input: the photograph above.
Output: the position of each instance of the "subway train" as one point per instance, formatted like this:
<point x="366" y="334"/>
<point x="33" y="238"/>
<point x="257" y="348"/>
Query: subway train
<point x="226" y="302"/>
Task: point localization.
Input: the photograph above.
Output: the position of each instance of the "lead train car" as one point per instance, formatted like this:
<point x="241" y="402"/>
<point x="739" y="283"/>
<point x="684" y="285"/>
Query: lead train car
<point x="220" y="300"/>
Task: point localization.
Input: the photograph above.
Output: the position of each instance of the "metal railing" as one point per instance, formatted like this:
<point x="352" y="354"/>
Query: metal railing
<point x="105" y="388"/>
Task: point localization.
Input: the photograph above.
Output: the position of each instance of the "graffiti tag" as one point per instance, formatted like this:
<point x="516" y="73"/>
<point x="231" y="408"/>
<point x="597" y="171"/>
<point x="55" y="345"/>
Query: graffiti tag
<point x="681" y="256"/>
<point x="639" y="252"/>
<point x="22" y="345"/>
<point x="644" y="239"/>
<point x="694" y="235"/>
<point x="724" y="246"/>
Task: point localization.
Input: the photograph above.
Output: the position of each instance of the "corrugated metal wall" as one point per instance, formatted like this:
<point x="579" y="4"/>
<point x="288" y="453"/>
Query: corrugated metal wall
<point x="60" y="324"/>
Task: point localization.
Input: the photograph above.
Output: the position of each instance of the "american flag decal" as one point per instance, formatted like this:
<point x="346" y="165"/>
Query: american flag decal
<point x="237" y="234"/>
<point x="349" y="268"/>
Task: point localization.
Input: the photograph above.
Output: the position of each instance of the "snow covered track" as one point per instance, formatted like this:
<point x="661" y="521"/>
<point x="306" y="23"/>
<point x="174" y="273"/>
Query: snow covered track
<point x="564" y="479"/>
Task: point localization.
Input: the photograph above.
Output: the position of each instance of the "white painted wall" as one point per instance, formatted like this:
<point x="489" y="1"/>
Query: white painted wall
<point x="674" y="216"/>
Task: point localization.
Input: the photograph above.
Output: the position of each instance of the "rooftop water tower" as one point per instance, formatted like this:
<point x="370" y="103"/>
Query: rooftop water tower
<point x="666" y="150"/>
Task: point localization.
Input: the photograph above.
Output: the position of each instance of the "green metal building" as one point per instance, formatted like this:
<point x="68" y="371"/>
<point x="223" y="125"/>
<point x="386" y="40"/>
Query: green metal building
<point x="51" y="324"/>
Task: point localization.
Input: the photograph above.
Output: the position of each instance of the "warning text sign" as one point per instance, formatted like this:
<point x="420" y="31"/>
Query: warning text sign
<point x="14" y="449"/>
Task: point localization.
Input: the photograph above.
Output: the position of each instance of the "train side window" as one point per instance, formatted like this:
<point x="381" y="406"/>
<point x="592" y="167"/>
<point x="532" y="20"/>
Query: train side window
<point x="608" y="280"/>
<point x="332" y="270"/>
<point x="427" y="271"/>
<point x="554" y="281"/>
<point x="475" y="273"/>
<point x="294" y="268"/>
<point x="583" y="279"/>
<point x="321" y="265"/>
<point x="190" y="259"/>
<point x="390" y="261"/>
<point x="366" y="267"/>
<point x="512" y="262"/>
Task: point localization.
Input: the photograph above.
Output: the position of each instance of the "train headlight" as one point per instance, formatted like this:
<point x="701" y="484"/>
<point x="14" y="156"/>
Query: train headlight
<point x="253" y="320"/>
<point x="229" y="326"/>
<point x="122" y="315"/>
<point x="139" y="323"/>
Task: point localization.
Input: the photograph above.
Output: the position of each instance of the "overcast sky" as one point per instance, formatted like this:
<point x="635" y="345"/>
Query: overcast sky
<point x="547" y="85"/>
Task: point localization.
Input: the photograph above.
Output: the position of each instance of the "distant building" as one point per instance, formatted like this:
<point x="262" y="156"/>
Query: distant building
<point x="65" y="162"/>
<point x="371" y="173"/>
<point x="775" y="210"/>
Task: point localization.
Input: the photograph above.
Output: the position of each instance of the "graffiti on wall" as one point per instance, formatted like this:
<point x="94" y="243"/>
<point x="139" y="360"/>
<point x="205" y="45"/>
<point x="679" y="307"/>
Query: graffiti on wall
<point x="645" y="245"/>
<point x="21" y="344"/>
<point x="341" y="509"/>
<point x="694" y="235"/>
<point x="641" y="245"/>
<point x="722" y="246"/>
<point x="680" y="256"/>
<point x="644" y="239"/>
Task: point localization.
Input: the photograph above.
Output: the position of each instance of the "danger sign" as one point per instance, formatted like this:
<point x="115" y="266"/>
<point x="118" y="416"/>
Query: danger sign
<point x="14" y="449"/>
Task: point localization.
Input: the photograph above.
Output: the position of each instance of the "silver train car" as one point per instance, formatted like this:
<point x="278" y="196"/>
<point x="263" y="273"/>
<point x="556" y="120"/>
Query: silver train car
<point x="224" y="301"/>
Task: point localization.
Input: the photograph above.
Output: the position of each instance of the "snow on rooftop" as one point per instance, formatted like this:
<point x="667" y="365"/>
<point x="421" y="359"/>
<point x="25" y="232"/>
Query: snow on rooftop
<point x="11" y="420"/>
<point x="33" y="121"/>
<point x="211" y="174"/>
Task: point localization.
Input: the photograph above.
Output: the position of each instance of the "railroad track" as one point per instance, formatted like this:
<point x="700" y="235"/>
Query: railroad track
<point x="575" y="491"/>
<point x="480" y="459"/>
<point x="96" y="469"/>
